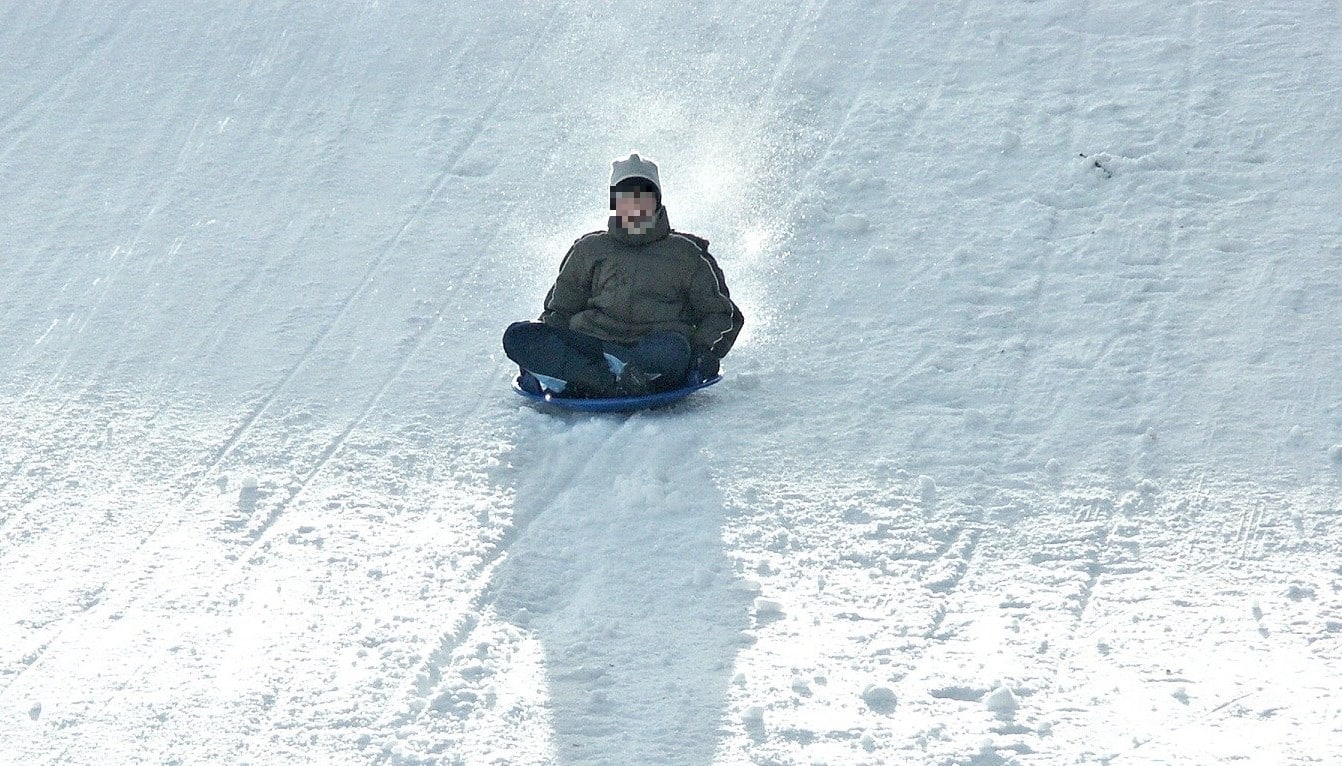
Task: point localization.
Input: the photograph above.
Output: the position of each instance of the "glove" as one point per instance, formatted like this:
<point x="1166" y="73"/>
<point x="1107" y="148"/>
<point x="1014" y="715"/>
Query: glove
<point x="705" y="364"/>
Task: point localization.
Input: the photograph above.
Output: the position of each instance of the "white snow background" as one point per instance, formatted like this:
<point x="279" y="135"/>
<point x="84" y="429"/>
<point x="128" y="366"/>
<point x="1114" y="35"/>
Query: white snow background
<point x="1030" y="453"/>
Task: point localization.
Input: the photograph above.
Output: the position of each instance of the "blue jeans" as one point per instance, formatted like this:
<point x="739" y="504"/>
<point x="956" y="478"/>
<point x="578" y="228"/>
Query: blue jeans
<point x="589" y="363"/>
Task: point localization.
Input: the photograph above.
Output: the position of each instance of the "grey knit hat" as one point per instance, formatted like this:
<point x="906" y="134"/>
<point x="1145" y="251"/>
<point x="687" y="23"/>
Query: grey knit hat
<point x="635" y="167"/>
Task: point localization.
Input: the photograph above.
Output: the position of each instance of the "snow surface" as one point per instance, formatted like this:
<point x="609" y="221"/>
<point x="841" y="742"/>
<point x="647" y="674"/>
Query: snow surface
<point x="1030" y="453"/>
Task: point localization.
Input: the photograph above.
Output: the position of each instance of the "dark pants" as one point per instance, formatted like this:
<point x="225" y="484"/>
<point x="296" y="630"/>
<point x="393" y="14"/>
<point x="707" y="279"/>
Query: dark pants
<point x="580" y="360"/>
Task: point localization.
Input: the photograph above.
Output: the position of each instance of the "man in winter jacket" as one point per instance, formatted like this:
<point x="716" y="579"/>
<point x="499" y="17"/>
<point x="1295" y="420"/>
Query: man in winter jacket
<point x="636" y="308"/>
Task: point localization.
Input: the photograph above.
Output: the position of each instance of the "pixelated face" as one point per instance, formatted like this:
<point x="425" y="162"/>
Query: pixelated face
<point x="635" y="209"/>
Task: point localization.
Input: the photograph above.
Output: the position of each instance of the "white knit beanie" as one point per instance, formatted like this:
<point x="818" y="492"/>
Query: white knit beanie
<point x="634" y="167"/>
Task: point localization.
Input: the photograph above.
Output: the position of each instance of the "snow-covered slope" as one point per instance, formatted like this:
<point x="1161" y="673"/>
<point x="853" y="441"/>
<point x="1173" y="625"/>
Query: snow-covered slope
<point x="1030" y="452"/>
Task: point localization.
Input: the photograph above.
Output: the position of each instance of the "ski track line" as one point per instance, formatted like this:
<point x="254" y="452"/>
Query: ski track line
<point x="108" y="281"/>
<point x="1090" y="561"/>
<point x="807" y="180"/>
<point x="482" y="582"/>
<point x="14" y="515"/>
<point x="435" y="188"/>
<point x="88" y="602"/>
<point x="1093" y="526"/>
<point x="964" y="542"/>
<point x="256" y="536"/>
<point x="256" y="533"/>
<point x="240" y="561"/>
<point x="471" y="408"/>
<point x="215" y="338"/>
<point x="1160" y="735"/>
<point x="1209" y="515"/>
<point x="1091" y="510"/>
<point x="1249" y="538"/>
<point x="967" y="537"/>
<point x="92" y="59"/>
<point x="1095" y="564"/>
<point x="1198" y="502"/>
<point x="1048" y="269"/>
<point x="163" y="196"/>
<point x="11" y="518"/>
<point x="70" y="400"/>
<point x="31" y="659"/>
<point x="791" y="47"/>
<point x="949" y="68"/>
<point x="365" y="282"/>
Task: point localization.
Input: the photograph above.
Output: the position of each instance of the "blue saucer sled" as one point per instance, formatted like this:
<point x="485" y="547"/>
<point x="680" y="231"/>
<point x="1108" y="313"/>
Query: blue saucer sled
<point x="618" y="403"/>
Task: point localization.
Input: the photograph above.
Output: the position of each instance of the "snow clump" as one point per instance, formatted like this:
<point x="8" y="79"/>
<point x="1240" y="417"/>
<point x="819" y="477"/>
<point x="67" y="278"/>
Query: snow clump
<point x="879" y="698"/>
<point x="1002" y="701"/>
<point x="852" y="223"/>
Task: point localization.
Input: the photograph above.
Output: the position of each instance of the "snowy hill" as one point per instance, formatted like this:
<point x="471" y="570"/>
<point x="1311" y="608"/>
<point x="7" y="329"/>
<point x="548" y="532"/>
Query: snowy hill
<point x="1030" y="452"/>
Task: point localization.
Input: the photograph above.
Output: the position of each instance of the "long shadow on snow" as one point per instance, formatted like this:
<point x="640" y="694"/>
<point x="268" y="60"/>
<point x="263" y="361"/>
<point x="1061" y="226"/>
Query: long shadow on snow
<point x="619" y="570"/>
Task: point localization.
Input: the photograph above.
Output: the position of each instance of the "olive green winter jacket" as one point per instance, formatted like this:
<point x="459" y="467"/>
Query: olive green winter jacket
<point x="619" y="286"/>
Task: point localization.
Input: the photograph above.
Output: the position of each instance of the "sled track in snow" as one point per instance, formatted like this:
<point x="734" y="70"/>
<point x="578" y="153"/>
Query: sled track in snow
<point x="1157" y="737"/>
<point x="794" y="42"/>
<point x="1249" y="534"/>
<point x="945" y="582"/>
<point x="367" y="279"/>
<point x="91" y="597"/>
<point x="11" y="122"/>
<point x="823" y="157"/>
<point x="255" y="535"/>
<point x="256" y="530"/>
<point x="1094" y="521"/>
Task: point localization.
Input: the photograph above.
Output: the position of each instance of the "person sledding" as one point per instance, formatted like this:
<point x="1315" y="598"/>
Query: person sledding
<point x="637" y="308"/>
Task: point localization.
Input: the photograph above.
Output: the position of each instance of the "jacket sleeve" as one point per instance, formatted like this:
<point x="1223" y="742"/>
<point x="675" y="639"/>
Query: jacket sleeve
<point x="571" y="290"/>
<point x="717" y="319"/>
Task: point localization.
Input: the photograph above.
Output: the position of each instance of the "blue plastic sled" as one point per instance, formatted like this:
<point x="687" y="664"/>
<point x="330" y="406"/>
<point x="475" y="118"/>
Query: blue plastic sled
<point x="618" y="403"/>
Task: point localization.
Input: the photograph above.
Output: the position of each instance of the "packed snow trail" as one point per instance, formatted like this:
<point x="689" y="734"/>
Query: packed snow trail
<point x="1028" y="455"/>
